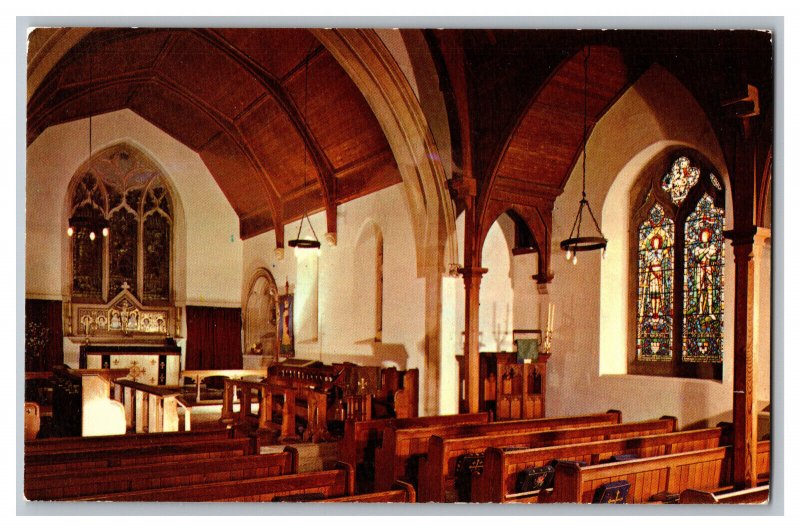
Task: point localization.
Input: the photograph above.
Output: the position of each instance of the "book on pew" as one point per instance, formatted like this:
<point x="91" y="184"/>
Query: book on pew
<point x="467" y="466"/>
<point x="579" y="463"/>
<point x="535" y="478"/>
<point x="612" y="492"/>
<point x="622" y="457"/>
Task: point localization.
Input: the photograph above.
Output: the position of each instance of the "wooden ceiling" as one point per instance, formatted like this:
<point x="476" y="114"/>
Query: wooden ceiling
<point x="277" y="121"/>
<point x="283" y="129"/>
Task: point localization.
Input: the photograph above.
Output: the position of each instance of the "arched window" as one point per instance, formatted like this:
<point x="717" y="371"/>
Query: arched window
<point x="125" y="193"/>
<point x="368" y="283"/>
<point x="260" y="322"/>
<point x="679" y="274"/>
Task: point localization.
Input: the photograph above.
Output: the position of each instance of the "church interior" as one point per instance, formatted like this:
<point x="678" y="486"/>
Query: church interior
<point x="398" y="265"/>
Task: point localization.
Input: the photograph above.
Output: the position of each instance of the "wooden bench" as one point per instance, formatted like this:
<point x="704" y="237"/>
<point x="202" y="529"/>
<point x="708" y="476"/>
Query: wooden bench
<point x="46" y="463"/>
<point x="650" y="478"/>
<point x="362" y="438"/>
<point x="437" y="476"/>
<point x="400" y="445"/>
<point x="497" y="482"/>
<point x="402" y="492"/>
<point x="79" y="443"/>
<point x="323" y="484"/>
<point x="757" y="495"/>
<point x="184" y="471"/>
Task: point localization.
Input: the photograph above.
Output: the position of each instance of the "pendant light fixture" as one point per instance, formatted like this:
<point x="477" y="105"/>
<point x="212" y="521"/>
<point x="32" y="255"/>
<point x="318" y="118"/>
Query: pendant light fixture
<point x="298" y="242"/>
<point x="94" y="224"/>
<point x="576" y="242"/>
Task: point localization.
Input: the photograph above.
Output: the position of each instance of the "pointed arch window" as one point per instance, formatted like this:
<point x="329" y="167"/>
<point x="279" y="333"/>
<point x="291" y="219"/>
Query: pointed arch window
<point x="679" y="259"/>
<point x="125" y="192"/>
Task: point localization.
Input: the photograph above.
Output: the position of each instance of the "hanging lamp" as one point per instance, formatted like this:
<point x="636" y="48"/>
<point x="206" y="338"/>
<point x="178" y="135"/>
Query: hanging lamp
<point x="95" y="224"/>
<point x="576" y="242"/>
<point x="298" y="242"/>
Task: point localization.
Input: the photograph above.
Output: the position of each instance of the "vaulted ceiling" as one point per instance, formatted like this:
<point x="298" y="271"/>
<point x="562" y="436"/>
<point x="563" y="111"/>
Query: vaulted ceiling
<point x="283" y="128"/>
<point x="515" y="101"/>
<point x="278" y="122"/>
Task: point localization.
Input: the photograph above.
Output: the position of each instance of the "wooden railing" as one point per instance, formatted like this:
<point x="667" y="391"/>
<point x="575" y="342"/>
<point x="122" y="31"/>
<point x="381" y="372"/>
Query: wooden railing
<point x="198" y="375"/>
<point x="262" y="393"/>
<point x="151" y="408"/>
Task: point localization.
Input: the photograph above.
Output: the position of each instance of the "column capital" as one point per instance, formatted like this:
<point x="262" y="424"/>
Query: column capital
<point x="740" y="237"/>
<point x="472" y="271"/>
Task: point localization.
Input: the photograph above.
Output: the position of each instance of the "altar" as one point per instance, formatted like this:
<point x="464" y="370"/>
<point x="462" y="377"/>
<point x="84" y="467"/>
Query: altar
<point x="155" y="365"/>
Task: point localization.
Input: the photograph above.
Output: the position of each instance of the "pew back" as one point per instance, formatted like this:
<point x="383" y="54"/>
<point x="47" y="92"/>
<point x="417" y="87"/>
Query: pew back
<point x="757" y="495"/>
<point x="707" y="470"/>
<point x="148" y="454"/>
<point x="400" y="445"/>
<point x="80" y="443"/>
<point x="328" y="484"/>
<point x="437" y="479"/>
<point x="109" y="480"/>
<point x="402" y="492"/>
<point x="362" y="438"/>
<point x="501" y="468"/>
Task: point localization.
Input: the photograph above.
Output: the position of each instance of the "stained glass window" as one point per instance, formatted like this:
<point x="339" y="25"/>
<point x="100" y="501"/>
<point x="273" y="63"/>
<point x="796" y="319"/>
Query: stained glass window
<point x="680" y="179"/>
<point x="679" y="268"/>
<point x="87" y="258"/>
<point x="123" y="246"/>
<point x="125" y="188"/>
<point x="702" y="312"/>
<point x="655" y="265"/>
<point x="156" y="257"/>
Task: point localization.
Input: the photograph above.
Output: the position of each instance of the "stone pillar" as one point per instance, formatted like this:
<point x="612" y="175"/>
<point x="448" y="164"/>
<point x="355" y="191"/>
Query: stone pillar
<point x="472" y="289"/>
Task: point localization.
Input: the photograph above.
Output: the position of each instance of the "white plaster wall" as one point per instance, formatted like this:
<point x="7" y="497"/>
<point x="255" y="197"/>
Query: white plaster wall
<point x="496" y="315"/>
<point x="207" y="248"/>
<point x="339" y="338"/>
<point x="655" y="113"/>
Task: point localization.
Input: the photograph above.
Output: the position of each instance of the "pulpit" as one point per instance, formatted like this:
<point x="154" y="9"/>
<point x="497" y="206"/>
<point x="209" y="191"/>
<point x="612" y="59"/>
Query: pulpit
<point x="99" y="414"/>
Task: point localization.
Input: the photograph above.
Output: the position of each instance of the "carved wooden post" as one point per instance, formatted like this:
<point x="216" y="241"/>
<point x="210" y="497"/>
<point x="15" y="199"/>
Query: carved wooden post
<point x="472" y="285"/>
<point x="744" y="197"/>
<point x="265" y="408"/>
<point x="227" y="402"/>
<point x="287" y="423"/>
<point x="744" y="405"/>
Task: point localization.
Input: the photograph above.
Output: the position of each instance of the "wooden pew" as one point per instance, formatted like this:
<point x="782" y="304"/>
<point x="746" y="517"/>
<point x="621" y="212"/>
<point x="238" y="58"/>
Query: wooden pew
<point x="438" y="471"/>
<point x="757" y="495"/>
<point x="145" y="454"/>
<point x="706" y="470"/>
<point x="185" y="470"/>
<point x="402" y="492"/>
<point x="497" y="482"/>
<point x="326" y="484"/>
<point x="79" y="443"/>
<point x="400" y="445"/>
<point x="362" y="438"/>
<point x="648" y="477"/>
